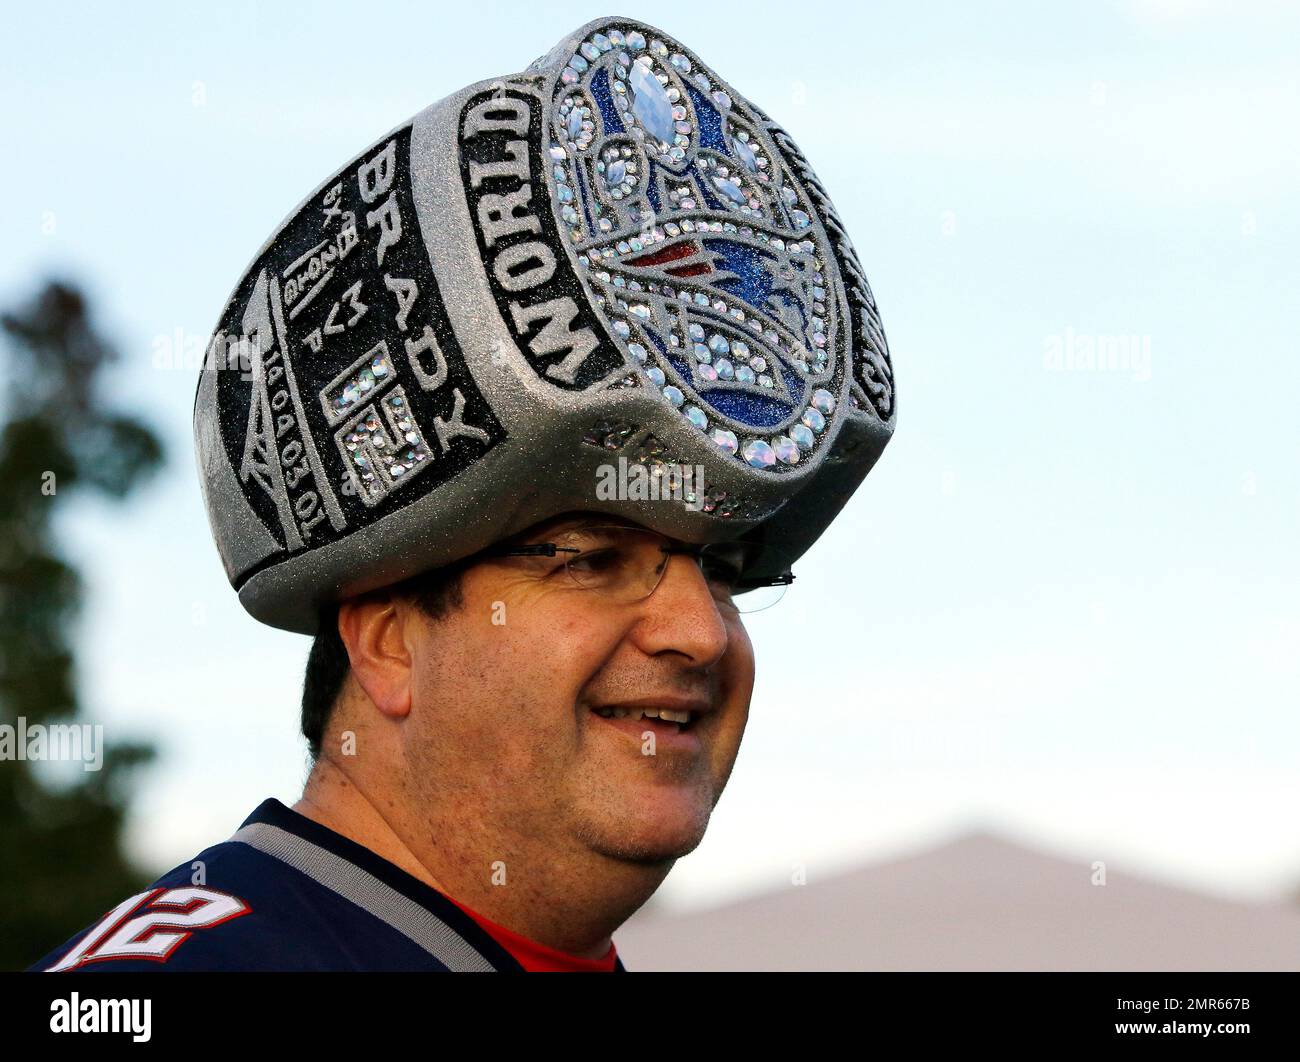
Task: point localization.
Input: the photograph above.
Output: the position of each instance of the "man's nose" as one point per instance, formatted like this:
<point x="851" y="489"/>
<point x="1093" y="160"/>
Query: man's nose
<point x="683" y="615"/>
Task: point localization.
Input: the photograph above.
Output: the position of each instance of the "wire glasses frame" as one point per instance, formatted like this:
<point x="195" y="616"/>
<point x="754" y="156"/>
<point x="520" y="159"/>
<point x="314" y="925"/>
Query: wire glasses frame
<point x="626" y="564"/>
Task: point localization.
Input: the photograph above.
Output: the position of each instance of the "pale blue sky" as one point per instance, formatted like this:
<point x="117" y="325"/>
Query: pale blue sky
<point x="1062" y="607"/>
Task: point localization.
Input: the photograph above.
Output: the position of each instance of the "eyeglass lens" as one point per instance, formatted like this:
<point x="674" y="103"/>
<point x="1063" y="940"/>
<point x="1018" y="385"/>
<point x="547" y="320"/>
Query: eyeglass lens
<point x="627" y="563"/>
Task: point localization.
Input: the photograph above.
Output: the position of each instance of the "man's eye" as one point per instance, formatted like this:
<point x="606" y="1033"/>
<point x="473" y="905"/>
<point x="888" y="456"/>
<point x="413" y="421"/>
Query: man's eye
<point x="595" y="561"/>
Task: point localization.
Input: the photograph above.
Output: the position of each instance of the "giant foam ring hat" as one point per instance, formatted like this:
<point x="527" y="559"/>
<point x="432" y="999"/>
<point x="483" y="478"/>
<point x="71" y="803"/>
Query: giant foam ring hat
<point x="611" y="255"/>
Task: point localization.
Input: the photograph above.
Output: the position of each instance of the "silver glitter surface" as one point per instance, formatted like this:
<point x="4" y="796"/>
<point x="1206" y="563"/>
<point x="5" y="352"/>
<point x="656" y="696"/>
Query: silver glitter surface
<point x="533" y="255"/>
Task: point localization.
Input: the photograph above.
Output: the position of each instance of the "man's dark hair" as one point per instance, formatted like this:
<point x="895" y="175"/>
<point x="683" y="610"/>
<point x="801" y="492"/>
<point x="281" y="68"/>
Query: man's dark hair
<point x="435" y="593"/>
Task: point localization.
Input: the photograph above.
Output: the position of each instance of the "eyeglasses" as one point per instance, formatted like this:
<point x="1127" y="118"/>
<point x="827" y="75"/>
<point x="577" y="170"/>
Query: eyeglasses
<point x="626" y="564"/>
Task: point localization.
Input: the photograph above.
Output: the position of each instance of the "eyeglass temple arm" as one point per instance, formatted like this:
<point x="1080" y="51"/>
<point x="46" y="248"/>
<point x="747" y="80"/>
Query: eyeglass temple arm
<point x="784" y="579"/>
<point x="541" y="549"/>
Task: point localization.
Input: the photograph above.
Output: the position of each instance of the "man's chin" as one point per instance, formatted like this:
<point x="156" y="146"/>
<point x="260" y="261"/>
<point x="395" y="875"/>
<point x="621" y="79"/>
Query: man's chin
<point x="650" y="834"/>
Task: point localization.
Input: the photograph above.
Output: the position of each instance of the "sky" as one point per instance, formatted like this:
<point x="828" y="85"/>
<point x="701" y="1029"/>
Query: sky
<point x="1063" y="605"/>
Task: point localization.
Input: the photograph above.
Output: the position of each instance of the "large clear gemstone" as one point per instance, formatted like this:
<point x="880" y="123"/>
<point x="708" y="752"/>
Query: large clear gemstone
<point x="731" y="190"/>
<point x="725" y="439"/>
<point x="786" y="450"/>
<point x="651" y="105"/>
<point x="759" y="454"/>
<point x="746" y="154"/>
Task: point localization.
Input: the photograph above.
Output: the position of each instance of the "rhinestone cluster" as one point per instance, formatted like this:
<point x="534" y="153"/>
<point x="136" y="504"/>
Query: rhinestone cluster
<point x="393" y="457"/>
<point x="698" y="245"/>
<point x="575" y="122"/>
<point x="612" y="435"/>
<point x="720" y="358"/>
<point x="651" y="452"/>
<point x="377" y="372"/>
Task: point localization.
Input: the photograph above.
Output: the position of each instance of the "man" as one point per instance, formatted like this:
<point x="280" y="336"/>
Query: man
<point x="518" y="415"/>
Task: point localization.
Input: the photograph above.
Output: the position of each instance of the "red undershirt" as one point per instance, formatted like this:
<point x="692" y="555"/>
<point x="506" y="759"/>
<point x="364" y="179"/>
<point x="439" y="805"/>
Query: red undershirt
<point x="538" y="958"/>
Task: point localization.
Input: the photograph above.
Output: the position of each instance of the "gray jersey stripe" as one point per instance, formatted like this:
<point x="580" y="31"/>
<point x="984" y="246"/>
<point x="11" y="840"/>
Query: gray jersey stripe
<point x="369" y="893"/>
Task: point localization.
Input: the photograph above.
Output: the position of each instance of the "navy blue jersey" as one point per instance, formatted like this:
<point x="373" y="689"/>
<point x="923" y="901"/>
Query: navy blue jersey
<point x="284" y="893"/>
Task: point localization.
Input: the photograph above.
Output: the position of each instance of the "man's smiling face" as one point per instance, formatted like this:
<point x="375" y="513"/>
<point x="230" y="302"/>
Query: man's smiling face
<point x="505" y="693"/>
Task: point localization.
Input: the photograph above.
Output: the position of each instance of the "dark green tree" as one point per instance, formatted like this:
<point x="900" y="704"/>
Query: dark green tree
<point x="61" y="858"/>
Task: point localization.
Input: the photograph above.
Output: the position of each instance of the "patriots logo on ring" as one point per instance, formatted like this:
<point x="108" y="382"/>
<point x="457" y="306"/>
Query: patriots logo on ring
<point x="699" y="240"/>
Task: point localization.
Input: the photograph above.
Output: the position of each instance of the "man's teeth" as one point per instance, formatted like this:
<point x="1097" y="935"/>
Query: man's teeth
<point x="649" y="713"/>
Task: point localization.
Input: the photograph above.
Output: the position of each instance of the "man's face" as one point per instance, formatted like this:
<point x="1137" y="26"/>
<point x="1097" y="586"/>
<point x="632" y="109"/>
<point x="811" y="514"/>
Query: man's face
<point x="503" y="721"/>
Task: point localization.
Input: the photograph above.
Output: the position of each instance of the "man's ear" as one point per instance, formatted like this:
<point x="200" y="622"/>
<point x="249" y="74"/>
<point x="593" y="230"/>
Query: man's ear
<point x="373" y="628"/>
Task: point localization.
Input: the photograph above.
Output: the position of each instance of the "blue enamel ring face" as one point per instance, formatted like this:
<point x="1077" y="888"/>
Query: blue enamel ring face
<point x="702" y="243"/>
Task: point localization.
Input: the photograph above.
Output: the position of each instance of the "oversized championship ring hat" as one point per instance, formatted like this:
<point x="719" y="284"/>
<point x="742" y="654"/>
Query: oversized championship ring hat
<point x="551" y="291"/>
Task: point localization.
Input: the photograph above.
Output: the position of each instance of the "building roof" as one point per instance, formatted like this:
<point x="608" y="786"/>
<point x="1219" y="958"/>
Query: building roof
<point x="978" y="903"/>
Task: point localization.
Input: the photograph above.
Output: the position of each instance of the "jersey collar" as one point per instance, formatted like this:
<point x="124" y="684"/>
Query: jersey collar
<point x="432" y="920"/>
